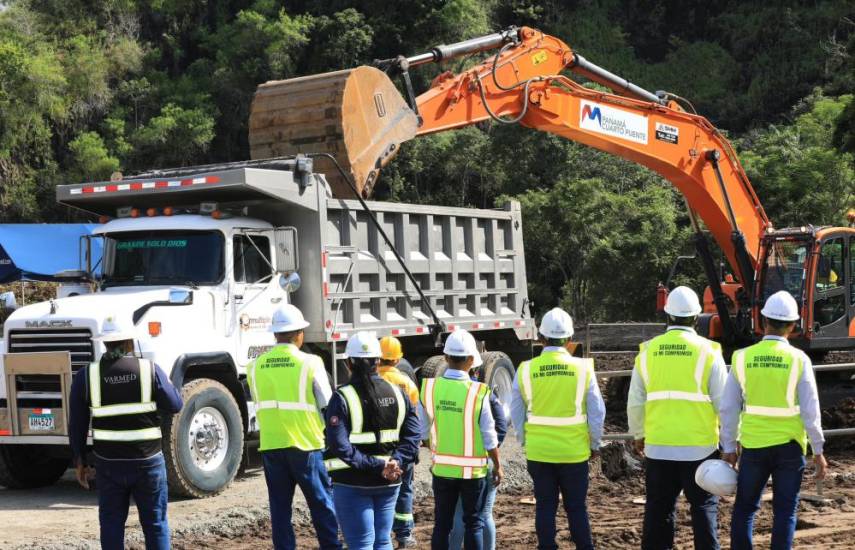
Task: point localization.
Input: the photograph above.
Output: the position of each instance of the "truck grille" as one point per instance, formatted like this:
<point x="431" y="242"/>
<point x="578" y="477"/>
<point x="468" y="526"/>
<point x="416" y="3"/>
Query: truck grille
<point x="76" y="341"/>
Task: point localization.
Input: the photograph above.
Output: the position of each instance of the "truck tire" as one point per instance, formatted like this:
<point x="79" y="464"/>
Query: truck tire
<point x="203" y="444"/>
<point x="29" y="467"/>
<point x="498" y="373"/>
<point x="433" y="367"/>
<point x="405" y="367"/>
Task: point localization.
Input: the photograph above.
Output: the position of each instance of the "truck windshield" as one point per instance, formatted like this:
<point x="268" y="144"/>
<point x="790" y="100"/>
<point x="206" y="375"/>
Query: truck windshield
<point x="164" y="257"/>
<point x="785" y="268"/>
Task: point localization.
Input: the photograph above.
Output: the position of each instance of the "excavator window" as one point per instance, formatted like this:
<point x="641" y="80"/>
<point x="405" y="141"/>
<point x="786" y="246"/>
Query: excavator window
<point x="785" y="268"/>
<point x="830" y="295"/>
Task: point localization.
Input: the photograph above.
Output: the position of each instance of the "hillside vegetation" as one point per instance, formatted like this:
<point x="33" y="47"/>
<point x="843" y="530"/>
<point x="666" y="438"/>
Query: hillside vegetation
<point x="88" y="87"/>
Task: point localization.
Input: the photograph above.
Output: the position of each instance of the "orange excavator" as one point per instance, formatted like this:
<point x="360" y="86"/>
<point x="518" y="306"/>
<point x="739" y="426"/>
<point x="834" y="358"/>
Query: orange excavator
<point x="360" y="118"/>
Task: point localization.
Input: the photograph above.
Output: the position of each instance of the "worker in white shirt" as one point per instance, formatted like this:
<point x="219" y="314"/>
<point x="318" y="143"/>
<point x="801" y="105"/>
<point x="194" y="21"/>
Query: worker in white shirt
<point x="672" y="409"/>
<point x="771" y="399"/>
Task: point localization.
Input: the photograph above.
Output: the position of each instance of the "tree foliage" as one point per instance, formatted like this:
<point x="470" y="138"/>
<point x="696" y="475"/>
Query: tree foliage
<point x="88" y="87"/>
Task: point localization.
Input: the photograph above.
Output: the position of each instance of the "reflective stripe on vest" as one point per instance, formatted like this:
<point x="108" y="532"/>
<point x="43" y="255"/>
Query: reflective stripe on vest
<point x="336" y="464"/>
<point x="145" y="404"/>
<point x="359" y="437"/>
<point x="354" y="406"/>
<point x="554" y="386"/>
<point x="768" y="374"/>
<point x="452" y="449"/>
<point x="146" y="434"/>
<point x="675" y="368"/>
<point x="281" y="383"/>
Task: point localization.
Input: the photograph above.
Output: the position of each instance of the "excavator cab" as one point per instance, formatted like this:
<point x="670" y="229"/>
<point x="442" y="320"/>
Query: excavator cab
<point x="817" y="266"/>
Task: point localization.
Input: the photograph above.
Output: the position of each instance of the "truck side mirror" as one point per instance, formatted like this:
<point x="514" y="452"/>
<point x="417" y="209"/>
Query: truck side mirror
<point x="8" y="302"/>
<point x="285" y="246"/>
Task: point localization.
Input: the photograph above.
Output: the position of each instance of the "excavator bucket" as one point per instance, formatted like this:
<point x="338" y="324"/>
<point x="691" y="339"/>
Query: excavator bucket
<point x="357" y="115"/>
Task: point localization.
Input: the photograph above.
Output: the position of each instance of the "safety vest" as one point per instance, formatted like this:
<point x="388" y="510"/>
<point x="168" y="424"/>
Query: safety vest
<point x="281" y="383"/>
<point x="454" y="408"/>
<point x="554" y="387"/>
<point x="768" y="373"/>
<point x="675" y="368"/>
<point x="125" y="422"/>
<point x="366" y="441"/>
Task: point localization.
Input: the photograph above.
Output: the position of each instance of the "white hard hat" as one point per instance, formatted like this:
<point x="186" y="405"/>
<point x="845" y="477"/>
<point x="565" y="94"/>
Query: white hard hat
<point x="557" y="323"/>
<point x="781" y="306"/>
<point x="683" y="302"/>
<point x="116" y="329"/>
<point x="461" y="343"/>
<point x="716" y="477"/>
<point x="362" y="344"/>
<point x="287" y="318"/>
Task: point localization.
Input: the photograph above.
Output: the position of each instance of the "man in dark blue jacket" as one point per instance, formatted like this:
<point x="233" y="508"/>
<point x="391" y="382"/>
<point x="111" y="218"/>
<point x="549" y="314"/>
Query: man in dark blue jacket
<point x="124" y="396"/>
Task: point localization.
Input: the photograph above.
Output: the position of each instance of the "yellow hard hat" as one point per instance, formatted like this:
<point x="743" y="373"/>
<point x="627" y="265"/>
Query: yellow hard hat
<point x="390" y="348"/>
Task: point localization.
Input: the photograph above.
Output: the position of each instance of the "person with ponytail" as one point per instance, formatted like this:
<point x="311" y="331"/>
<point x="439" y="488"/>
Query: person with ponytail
<point x="372" y="435"/>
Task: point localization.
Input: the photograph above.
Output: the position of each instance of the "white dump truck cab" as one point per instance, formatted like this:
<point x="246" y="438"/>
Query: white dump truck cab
<point x="199" y="259"/>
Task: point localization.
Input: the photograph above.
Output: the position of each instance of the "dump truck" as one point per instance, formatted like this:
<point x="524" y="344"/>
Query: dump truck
<point x="200" y="257"/>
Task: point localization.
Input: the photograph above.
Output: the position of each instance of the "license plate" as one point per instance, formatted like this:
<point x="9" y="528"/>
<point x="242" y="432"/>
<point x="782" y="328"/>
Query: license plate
<point x="42" y="423"/>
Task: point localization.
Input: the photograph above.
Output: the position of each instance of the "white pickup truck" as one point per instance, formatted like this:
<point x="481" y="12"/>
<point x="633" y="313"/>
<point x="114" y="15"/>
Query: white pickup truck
<point x="199" y="258"/>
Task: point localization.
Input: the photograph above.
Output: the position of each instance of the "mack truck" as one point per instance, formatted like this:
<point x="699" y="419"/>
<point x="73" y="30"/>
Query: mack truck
<point x="199" y="258"/>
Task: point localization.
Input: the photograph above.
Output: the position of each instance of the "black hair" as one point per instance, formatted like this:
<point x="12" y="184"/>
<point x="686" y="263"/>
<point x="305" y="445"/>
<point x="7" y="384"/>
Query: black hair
<point x="455" y="361"/>
<point x="287" y="337"/>
<point x="778" y="325"/>
<point x="682" y="321"/>
<point x="555" y="342"/>
<point x="361" y="369"/>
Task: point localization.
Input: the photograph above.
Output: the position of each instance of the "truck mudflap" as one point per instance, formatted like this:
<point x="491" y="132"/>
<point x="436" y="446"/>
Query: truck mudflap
<point x="20" y="422"/>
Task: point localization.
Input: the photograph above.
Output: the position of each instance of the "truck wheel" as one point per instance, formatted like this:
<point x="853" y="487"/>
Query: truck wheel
<point x="203" y="444"/>
<point x="405" y="367"/>
<point x="499" y="375"/>
<point x="433" y="367"/>
<point x="29" y="467"/>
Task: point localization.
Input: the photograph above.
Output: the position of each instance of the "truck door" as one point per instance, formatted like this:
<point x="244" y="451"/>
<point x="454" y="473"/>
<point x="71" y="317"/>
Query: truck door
<point x="255" y="293"/>
<point x="832" y="303"/>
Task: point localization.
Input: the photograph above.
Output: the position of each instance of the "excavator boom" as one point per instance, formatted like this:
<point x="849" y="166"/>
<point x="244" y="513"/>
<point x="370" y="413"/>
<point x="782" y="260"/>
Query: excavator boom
<point x="524" y="82"/>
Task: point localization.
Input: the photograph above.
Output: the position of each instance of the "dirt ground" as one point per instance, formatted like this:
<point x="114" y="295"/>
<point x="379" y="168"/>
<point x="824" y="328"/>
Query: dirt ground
<point x="64" y="517"/>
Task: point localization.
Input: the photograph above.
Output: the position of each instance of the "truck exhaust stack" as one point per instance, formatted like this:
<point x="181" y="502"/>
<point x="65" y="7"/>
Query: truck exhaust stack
<point x="357" y="115"/>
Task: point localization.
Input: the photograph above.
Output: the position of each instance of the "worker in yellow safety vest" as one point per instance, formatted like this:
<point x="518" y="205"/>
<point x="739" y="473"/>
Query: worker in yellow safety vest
<point x="672" y="411"/>
<point x="391" y="354"/>
<point x="458" y="422"/>
<point x="771" y="399"/>
<point x="290" y="389"/>
<point x="558" y="414"/>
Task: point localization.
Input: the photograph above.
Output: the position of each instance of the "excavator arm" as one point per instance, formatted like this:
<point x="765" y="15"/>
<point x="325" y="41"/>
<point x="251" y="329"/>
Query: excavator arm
<point x="523" y="83"/>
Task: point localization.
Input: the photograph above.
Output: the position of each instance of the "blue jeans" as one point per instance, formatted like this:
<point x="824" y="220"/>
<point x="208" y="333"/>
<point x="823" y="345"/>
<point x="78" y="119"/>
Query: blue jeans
<point x="664" y="479"/>
<point x="455" y="541"/>
<point x="786" y="464"/>
<point x="145" y="480"/>
<point x="284" y="469"/>
<point x="572" y="481"/>
<point x="365" y="515"/>
<point x="472" y="494"/>
<point x="403" y="524"/>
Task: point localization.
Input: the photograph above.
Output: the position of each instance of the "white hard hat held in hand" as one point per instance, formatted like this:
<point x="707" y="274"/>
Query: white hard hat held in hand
<point x="287" y="318"/>
<point x="781" y="306"/>
<point x="461" y="343"/>
<point x="557" y="323"/>
<point x="362" y="344"/>
<point x="716" y="477"/>
<point x="683" y="302"/>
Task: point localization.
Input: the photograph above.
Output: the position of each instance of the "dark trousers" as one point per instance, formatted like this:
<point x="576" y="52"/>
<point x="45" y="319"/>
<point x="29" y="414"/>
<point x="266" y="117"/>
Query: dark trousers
<point x="403" y="524"/>
<point x="663" y="481"/>
<point x="145" y="480"/>
<point x="473" y="495"/>
<point x="786" y="465"/>
<point x="571" y="480"/>
<point x="284" y="469"/>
